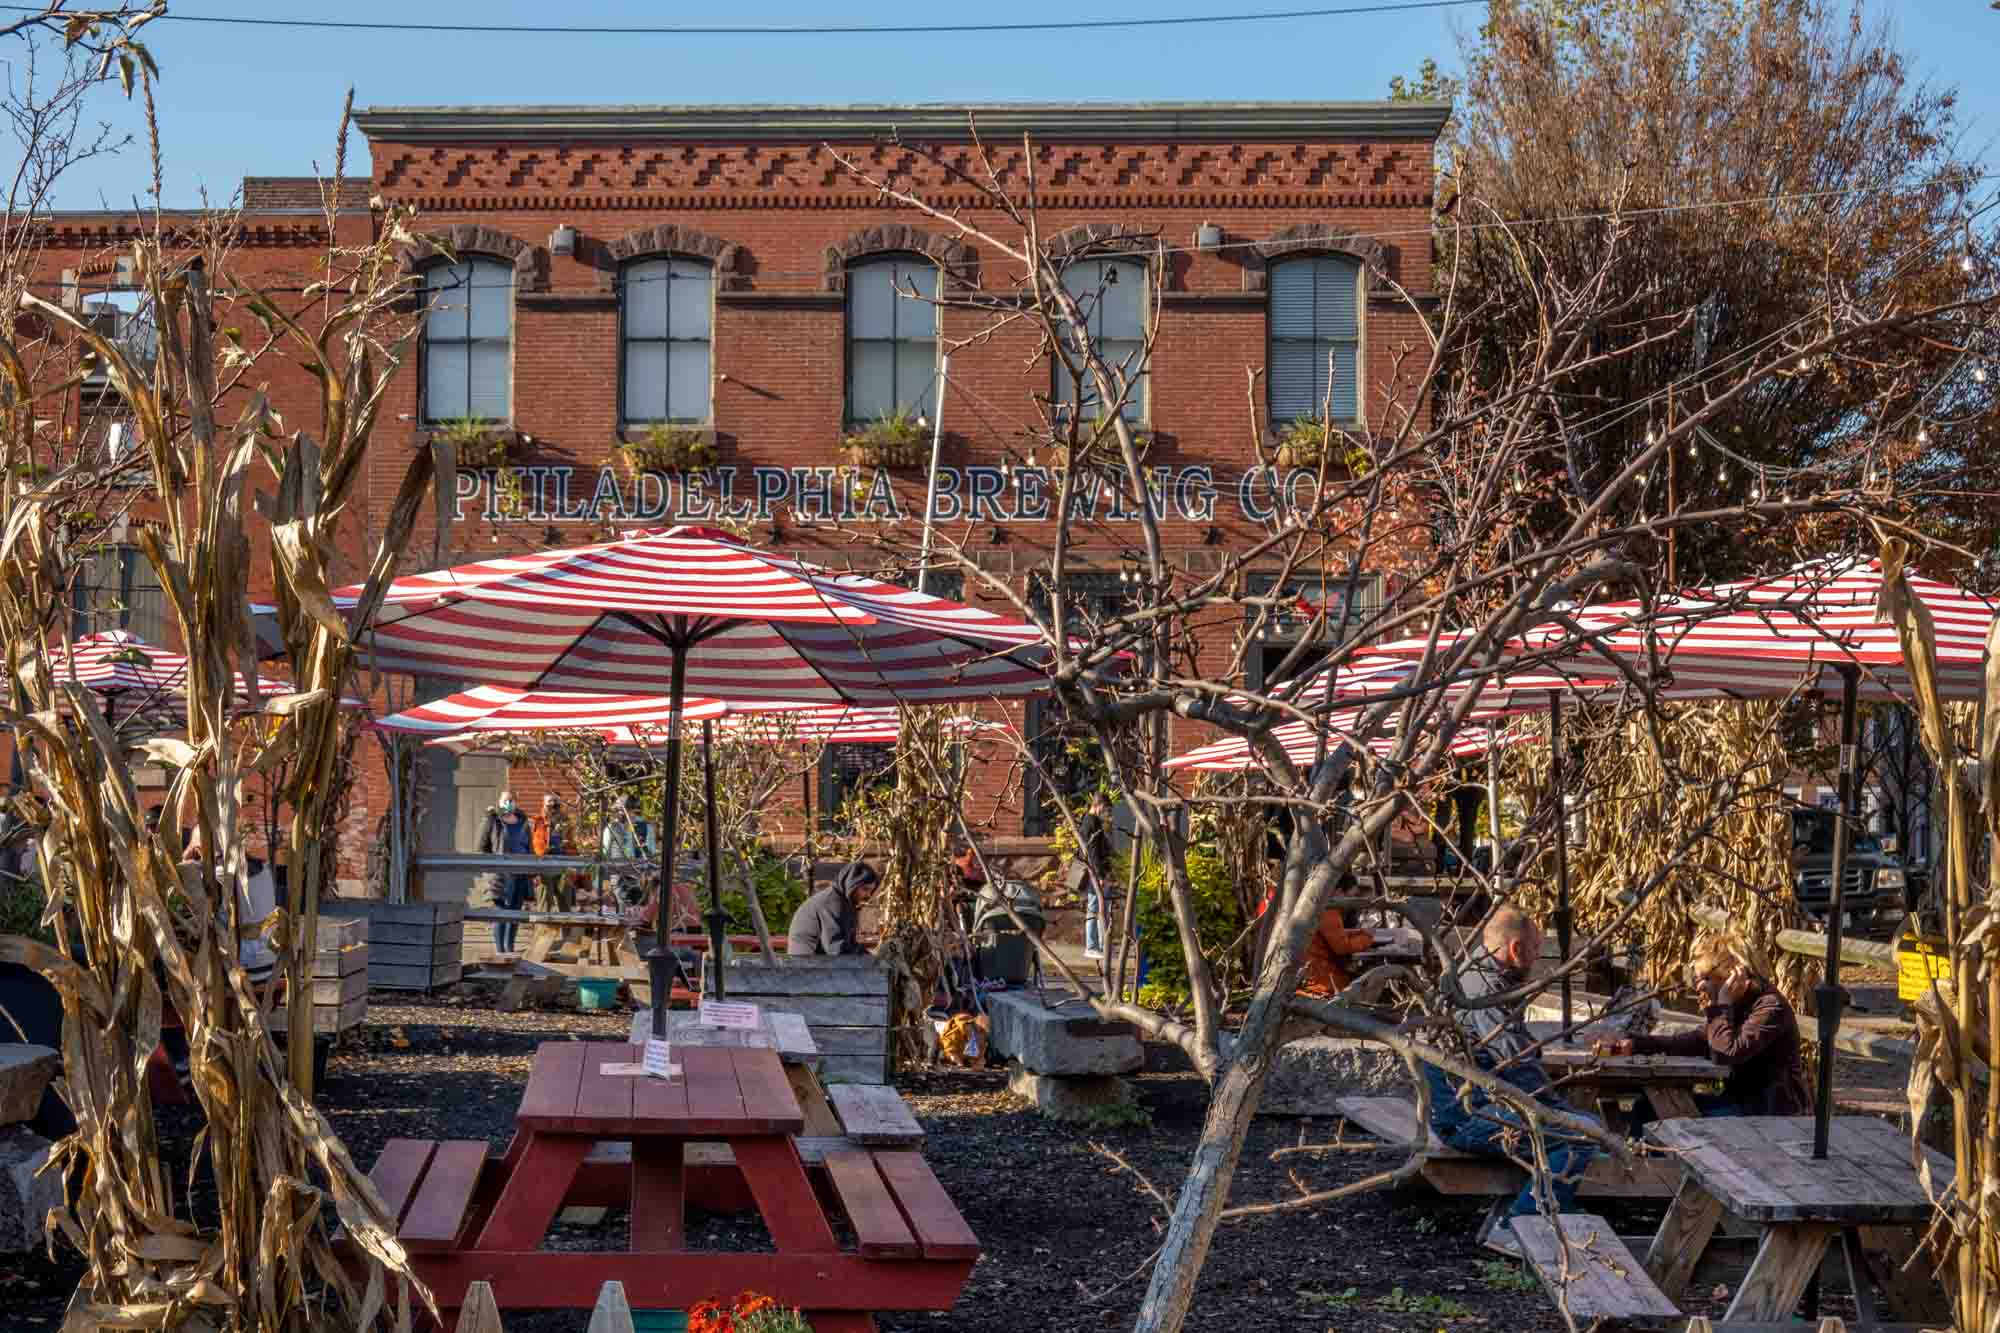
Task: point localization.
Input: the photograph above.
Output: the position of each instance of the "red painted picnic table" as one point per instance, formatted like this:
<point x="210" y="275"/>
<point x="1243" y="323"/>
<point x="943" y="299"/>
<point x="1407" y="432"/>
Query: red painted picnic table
<point x="481" y="1219"/>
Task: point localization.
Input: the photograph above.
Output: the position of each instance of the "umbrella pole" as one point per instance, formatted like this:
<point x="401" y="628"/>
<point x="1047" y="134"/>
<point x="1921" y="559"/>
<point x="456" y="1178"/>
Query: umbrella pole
<point x="1828" y="997"/>
<point x="716" y="920"/>
<point x="659" y="962"/>
<point x="1557" y="781"/>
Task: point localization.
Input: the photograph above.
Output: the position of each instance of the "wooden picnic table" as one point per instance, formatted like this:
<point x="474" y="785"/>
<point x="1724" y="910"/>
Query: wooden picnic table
<point x="467" y="1218"/>
<point x="1599" y="1081"/>
<point x="1866" y="1195"/>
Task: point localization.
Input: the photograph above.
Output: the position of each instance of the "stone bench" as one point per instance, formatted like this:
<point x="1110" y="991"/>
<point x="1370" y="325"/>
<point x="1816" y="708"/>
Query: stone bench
<point x="1066" y="1058"/>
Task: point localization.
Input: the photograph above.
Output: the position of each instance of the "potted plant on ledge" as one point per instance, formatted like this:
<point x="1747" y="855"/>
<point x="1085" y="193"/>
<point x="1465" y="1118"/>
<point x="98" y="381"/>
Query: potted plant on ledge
<point x="480" y="444"/>
<point x="899" y="441"/>
<point x="1307" y="442"/>
<point x="1102" y="449"/>
<point x="667" y="449"/>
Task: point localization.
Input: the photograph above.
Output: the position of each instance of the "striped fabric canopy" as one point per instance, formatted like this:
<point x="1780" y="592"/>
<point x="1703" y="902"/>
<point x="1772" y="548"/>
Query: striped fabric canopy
<point x="114" y="662"/>
<point x="1300" y="742"/>
<point x="1379" y="673"/>
<point x="763" y="628"/>
<point x="498" y="708"/>
<point x="1765" y="637"/>
<point x="481" y="714"/>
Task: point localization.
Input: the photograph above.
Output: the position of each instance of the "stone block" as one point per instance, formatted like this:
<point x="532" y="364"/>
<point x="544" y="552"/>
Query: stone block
<point x="1310" y="1074"/>
<point x="25" y="1072"/>
<point x="1071" y="1097"/>
<point x="27" y="1193"/>
<point x="1066" y="1039"/>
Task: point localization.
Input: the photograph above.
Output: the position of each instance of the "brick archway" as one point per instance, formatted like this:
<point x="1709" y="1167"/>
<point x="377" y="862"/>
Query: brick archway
<point x="670" y="238"/>
<point x="1314" y="238"/>
<point x="957" y="261"/>
<point x="531" y="262"/>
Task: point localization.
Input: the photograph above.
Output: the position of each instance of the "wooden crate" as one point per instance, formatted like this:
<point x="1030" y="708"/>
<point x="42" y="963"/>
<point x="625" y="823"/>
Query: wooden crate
<point x="342" y="930"/>
<point x="337" y="991"/>
<point x="340" y="962"/>
<point x="412" y="946"/>
<point x="333" y="1019"/>
<point x="844" y="1002"/>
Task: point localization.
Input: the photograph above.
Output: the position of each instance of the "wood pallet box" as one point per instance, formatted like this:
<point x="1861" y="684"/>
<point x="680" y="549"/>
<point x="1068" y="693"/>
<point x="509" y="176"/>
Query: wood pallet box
<point x="340" y="976"/>
<point x="411" y="946"/>
<point x="844" y="1002"/>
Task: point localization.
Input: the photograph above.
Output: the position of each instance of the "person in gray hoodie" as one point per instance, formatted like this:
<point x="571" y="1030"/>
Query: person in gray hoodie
<point x="829" y="921"/>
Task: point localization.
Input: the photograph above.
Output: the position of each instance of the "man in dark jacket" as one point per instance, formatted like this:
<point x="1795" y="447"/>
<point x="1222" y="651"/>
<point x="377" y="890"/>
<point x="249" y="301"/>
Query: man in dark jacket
<point x="1748" y="1028"/>
<point x="1465" y="1117"/>
<point x="829" y="921"/>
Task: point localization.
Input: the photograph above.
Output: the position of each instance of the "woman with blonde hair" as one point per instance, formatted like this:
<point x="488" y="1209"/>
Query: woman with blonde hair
<point x="1748" y="1028"/>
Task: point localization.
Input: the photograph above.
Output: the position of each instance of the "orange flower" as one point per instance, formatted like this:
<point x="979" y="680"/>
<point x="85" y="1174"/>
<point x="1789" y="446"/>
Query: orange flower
<point x="749" y="1303"/>
<point x="708" y="1317"/>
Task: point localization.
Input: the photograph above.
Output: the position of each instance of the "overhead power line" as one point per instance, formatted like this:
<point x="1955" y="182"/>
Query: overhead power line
<point x="803" y="30"/>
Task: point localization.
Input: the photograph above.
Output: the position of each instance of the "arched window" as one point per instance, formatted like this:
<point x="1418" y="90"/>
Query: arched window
<point x="469" y="341"/>
<point x="1111" y="295"/>
<point x="891" y="337"/>
<point x="1315" y="331"/>
<point x="667" y="314"/>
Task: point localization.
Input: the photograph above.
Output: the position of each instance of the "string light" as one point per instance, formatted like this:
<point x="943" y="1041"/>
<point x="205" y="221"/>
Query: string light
<point x="1979" y="374"/>
<point x="1965" y="263"/>
<point x="1923" y="435"/>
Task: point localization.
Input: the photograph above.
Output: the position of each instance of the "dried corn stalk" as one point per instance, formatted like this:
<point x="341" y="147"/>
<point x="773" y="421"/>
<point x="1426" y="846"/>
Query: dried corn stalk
<point x="912" y="822"/>
<point x="1641" y="801"/>
<point x="1958" y="1022"/>
<point x="140" y="925"/>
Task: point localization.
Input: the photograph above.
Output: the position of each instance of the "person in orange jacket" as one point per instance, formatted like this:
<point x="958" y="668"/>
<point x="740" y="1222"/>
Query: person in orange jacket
<point x="1332" y="946"/>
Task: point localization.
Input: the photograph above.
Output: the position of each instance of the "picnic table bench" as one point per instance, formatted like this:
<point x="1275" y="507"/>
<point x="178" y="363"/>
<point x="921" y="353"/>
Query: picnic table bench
<point x="1449" y="1171"/>
<point x="1588" y="1272"/>
<point x="1866" y="1195"/>
<point x="1598" y="1081"/>
<point x="466" y="1217"/>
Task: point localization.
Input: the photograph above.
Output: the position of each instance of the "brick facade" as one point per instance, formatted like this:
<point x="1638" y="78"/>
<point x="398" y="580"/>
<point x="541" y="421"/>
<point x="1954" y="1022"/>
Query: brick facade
<point x="761" y="195"/>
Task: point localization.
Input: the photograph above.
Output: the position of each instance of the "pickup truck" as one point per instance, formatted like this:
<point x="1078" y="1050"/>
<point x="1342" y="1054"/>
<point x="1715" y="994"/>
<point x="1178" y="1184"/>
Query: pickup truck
<point x="1881" y="890"/>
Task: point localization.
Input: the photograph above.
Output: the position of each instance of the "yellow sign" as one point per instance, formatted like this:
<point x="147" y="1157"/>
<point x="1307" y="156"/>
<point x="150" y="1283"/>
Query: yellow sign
<point x="1918" y="963"/>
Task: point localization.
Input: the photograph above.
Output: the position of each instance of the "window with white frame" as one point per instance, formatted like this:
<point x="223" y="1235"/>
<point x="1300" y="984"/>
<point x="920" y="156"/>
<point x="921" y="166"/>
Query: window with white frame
<point x="1110" y="294"/>
<point x="468" y="341"/>
<point x="1315" y="334"/>
<point x="667" y="309"/>
<point x="892" y="329"/>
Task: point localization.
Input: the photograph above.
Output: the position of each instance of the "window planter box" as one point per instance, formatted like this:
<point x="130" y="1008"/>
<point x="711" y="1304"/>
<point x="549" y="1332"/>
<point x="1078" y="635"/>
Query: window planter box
<point x="477" y="445"/>
<point x="1105" y="453"/>
<point x="894" y="442"/>
<point x="667" y="449"/>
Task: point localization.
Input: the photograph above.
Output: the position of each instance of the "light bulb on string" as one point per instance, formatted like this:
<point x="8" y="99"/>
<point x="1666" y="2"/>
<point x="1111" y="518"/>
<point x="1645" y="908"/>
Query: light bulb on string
<point x="1979" y="374"/>
<point x="1923" y="435"/>
<point x="1965" y="263"/>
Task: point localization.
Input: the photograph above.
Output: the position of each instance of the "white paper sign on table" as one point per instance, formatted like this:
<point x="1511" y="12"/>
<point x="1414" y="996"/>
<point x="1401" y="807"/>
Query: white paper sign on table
<point x="729" y="1014"/>
<point x="658" y="1062"/>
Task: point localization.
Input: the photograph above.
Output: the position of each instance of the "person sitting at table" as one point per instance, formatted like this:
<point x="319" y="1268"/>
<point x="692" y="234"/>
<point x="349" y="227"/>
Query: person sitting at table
<point x="1748" y="1028"/>
<point x="1331" y="950"/>
<point x="1465" y="1117"/>
<point x="829" y="922"/>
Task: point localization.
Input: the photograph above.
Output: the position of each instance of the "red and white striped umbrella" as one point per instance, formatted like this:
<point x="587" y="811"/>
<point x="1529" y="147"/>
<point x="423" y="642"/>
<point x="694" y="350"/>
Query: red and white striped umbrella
<point x="750" y="625"/>
<point x="1763" y="637"/>
<point x="1300" y="742"/>
<point x="488" y="709"/>
<point x="477" y="716"/>
<point x="117" y="663"/>
<point x="1379" y="673"/>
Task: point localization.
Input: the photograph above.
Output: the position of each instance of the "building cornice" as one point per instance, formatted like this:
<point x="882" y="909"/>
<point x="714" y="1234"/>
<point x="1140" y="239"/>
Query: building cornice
<point x="1175" y="122"/>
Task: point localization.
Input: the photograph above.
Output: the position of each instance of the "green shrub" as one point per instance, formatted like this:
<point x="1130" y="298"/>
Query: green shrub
<point x="1218" y="919"/>
<point x="21" y="904"/>
<point x="779" y="893"/>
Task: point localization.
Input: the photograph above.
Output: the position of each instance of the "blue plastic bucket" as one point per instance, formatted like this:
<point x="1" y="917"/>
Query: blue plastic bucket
<point x="596" y="992"/>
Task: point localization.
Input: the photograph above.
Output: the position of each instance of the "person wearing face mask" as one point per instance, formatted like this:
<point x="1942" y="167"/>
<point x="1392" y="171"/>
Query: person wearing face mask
<point x="508" y="832"/>
<point x="1465" y="1117"/>
<point x="1748" y="1028"/>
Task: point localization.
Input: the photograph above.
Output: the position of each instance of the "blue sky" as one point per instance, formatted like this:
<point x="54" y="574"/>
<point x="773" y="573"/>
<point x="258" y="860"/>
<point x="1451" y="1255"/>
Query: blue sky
<point x="237" y="100"/>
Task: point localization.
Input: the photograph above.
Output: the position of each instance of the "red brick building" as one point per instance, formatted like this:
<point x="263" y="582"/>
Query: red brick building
<point x="718" y="271"/>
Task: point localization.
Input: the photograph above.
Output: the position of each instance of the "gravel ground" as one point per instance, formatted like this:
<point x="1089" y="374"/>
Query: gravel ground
<point x="1067" y="1228"/>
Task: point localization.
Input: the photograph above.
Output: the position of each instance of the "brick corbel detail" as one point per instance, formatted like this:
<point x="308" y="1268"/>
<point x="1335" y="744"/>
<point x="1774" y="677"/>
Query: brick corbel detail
<point x="1110" y="240"/>
<point x="957" y="261"/>
<point x="670" y="238"/>
<point x="531" y="262"/>
<point x="1314" y="238"/>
